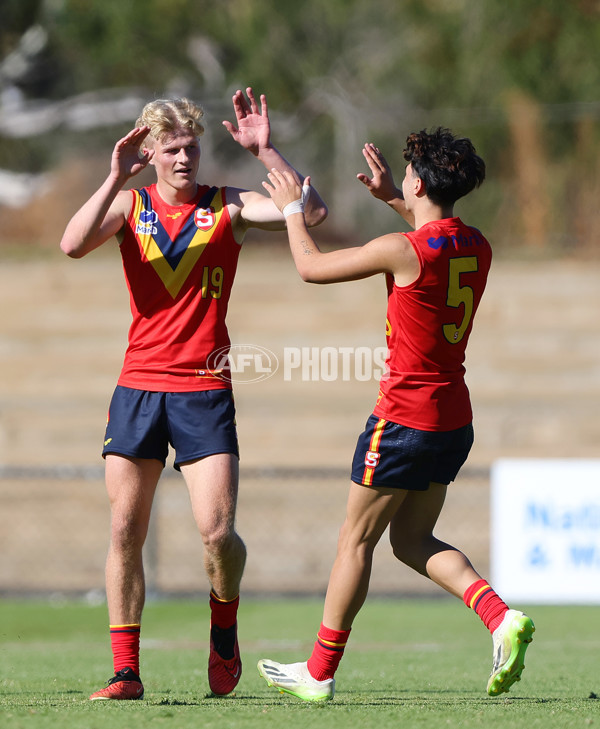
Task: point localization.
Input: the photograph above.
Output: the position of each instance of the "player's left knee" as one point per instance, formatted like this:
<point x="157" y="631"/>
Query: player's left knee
<point x="220" y="538"/>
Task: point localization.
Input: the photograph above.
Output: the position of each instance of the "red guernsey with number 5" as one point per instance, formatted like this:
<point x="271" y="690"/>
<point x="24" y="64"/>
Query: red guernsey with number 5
<point x="428" y="326"/>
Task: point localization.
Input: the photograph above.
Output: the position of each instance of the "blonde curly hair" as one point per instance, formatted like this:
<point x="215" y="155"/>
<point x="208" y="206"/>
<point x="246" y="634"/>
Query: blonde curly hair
<point x="164" y="116"/>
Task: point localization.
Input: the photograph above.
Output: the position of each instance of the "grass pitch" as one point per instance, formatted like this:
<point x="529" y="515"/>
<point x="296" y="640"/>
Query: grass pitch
<point x="408" y="664"/>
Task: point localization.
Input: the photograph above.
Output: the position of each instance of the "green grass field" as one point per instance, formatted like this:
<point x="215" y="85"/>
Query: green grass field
<point x="408" y="664"/>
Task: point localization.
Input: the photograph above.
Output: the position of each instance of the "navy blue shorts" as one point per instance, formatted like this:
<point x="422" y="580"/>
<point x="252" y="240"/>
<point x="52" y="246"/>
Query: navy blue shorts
<point x="142" y="424"/>
<point x="393" y="456"/>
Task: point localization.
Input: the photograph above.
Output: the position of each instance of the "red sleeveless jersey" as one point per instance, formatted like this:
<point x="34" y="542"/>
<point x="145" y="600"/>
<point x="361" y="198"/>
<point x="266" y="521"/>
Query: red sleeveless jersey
<point x="428" y="327"/>
<point x="179" y="265"/>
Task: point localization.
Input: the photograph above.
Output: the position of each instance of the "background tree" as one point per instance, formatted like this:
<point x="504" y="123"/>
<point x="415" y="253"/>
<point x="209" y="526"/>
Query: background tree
<point x="520" y="77"/>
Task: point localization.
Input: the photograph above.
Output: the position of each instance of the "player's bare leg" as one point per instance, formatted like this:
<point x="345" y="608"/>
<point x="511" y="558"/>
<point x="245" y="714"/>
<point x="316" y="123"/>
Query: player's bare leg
<point x="411" y="537"/>
<point x="368" y="513"/>
<point x="131" y="485"/>
<point x="213" y="488"/>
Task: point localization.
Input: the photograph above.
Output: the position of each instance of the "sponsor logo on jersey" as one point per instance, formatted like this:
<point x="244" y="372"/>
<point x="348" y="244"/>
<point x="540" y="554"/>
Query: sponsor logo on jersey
<point x="437" y="243"/>
<point x="458" y="241"/>
<point x="146" y="222"/>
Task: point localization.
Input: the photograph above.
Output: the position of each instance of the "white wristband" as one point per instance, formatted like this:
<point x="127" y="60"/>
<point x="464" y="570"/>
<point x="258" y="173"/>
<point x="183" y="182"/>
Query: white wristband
<point x="297" y="206"/>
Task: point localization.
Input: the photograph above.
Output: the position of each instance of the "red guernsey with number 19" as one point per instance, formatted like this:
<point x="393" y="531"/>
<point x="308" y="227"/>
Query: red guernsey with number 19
<point x="179" y="264"/>
<point x="428" y="326"/>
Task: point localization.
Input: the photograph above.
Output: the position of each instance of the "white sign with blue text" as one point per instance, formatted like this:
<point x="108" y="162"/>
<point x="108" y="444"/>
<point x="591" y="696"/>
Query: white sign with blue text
<point x="545" y="530"/>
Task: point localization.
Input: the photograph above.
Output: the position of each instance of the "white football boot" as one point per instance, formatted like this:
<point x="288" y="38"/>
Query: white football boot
<point x="294" y="679"/>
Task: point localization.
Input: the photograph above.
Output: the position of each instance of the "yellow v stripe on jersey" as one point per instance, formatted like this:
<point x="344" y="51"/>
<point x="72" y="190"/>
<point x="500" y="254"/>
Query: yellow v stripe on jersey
<point x="173" y="260"/>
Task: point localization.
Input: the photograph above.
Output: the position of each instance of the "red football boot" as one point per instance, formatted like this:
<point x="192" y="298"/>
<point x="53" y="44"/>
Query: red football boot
<point x="223" y="673"/>
<point x="125" y="685"/>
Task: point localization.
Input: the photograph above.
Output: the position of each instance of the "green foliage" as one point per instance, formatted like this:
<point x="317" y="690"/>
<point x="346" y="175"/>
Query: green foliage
<point x="120" y="42"/>
<point x="347" y="71"/>
<point x="435" y="53"/>
<point x="16" y="18"/>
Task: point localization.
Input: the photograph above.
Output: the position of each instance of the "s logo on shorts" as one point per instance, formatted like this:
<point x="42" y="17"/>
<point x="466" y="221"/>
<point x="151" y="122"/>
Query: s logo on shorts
<point x="372" y="459"/>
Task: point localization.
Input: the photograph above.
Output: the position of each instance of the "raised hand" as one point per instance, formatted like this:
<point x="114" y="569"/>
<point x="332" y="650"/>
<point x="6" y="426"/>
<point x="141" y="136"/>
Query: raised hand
<point x="381" y="184"/>
<point x="253" y="131"/>
<point x="127" y="158"/>
<point x="284" y="187"/>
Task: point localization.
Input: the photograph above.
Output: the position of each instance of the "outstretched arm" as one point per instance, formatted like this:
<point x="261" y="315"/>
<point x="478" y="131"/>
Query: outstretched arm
<point x="381" y="185"/>
<point x="390" y="253"/>
<point x="253" y="132"/>
<point x="104" y="214"/>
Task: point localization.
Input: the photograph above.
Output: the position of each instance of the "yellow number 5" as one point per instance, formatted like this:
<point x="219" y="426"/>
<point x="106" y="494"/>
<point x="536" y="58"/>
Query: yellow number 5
<point x="460" y="295"/>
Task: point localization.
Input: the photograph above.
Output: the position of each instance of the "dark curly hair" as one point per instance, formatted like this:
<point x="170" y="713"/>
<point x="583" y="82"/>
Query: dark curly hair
<point x="448" y="165"/>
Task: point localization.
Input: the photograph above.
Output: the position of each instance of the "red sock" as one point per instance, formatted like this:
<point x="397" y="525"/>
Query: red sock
<point x="327" y="652"/>
<point x="125" y="644"/>
<point x="486" y="603"/>
<point x="223" y="621"/>
<point x="223" y="612"/>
